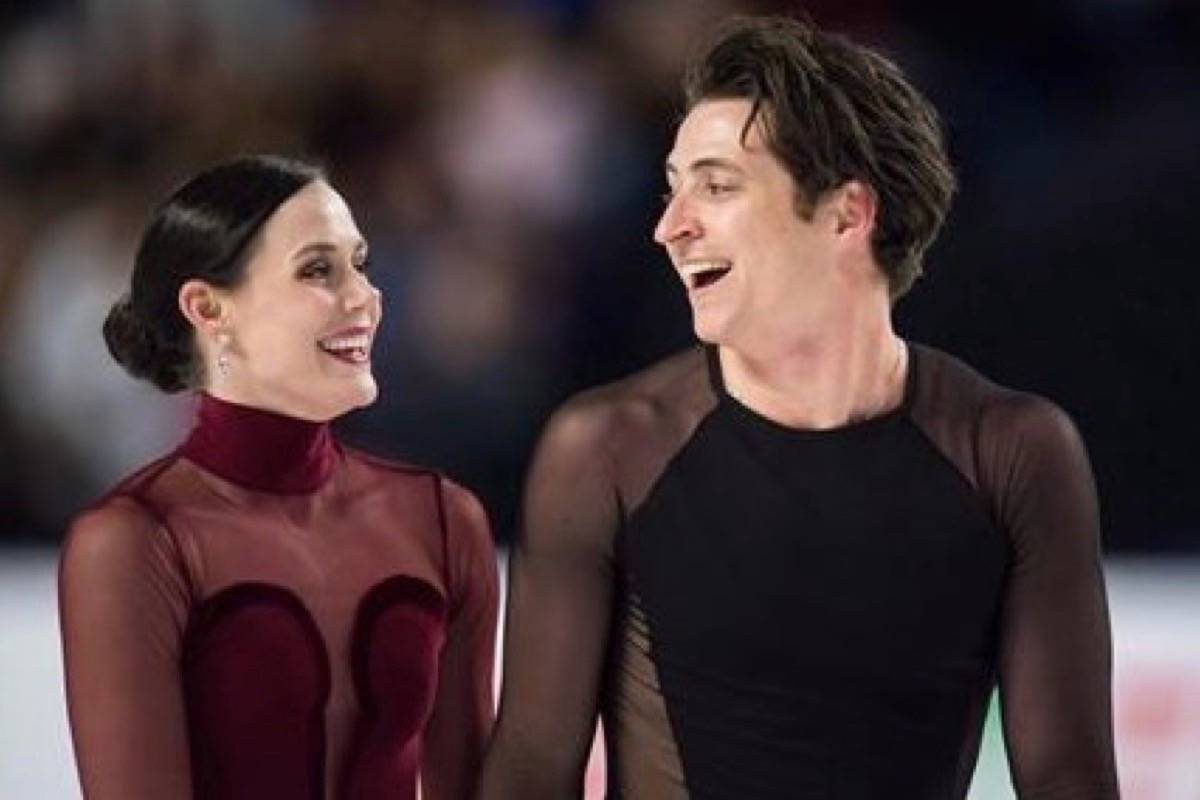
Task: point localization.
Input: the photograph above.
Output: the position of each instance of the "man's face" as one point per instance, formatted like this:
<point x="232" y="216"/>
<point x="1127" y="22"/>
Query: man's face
<point x="754" y="270"/>
<point x="304" y="318"/>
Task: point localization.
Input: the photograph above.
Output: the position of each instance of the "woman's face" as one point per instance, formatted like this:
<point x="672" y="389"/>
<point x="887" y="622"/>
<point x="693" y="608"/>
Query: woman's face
<point x="300" y="325"/>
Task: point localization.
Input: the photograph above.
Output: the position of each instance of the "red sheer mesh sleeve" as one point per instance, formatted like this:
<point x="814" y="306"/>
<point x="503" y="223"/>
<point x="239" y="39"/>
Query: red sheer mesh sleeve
<point x="123" y="604"/>
<point x="457" y="732"/>
<point x="1054" y="658"/>
<point x="559" y="609"/>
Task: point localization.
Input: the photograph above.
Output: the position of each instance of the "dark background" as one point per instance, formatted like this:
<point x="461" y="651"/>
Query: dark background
<point x="504" y="160"/>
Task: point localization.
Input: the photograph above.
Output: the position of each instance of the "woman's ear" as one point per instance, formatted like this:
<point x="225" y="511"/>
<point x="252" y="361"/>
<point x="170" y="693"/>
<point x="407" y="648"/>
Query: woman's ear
<point x="202" y="305"/>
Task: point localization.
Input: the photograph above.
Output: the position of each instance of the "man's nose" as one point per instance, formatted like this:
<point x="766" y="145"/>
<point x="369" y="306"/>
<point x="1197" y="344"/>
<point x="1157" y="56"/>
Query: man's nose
<point x="677" y="222"/>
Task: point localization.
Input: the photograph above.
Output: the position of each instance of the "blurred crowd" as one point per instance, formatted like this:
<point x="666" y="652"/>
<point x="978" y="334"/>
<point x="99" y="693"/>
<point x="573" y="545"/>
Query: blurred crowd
<point x="504" y="160"/>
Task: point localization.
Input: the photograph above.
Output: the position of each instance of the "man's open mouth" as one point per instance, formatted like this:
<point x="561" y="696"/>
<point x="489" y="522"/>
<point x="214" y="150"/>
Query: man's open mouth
<point x="708" y="275"/>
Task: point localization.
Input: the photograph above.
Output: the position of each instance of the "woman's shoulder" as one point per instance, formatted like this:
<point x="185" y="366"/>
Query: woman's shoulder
<point x="366" y="472"/>
<point x="359" y="459"/>
<point x="119" y="535"/>
<point x="129" y="500"/>
<point x="126" y="517"/>
<point x="460" y="515"/>
<point x="407" y="473"/>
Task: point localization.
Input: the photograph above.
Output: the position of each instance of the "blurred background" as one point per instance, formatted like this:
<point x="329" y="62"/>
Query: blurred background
<point x="504" y="158"/>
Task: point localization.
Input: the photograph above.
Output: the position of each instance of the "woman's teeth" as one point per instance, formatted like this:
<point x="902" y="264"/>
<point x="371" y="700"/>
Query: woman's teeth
<point x="347" y="348"/>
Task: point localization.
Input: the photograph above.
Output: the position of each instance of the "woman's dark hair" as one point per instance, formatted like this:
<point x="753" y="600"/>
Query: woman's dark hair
<point x="834" y="111"/>
<point x="203" y="231"/>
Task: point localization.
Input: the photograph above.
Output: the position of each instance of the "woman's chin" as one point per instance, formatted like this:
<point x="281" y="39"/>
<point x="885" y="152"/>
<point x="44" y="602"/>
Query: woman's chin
<point x="362" y="394"/>
<point x="369" y="392"/>
<point x="339" y="400"/>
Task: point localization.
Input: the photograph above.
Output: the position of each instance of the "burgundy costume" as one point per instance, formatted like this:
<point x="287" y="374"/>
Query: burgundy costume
<point x="267" y="614"/>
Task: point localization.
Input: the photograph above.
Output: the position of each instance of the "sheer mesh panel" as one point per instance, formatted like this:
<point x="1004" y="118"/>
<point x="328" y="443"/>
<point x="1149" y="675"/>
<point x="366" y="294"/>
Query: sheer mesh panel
<point x="874" y="580"/>
<point x="200" y="617"/>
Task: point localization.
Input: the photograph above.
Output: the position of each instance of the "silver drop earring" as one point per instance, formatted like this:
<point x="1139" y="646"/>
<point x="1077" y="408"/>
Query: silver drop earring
<point x="223" y="355"/>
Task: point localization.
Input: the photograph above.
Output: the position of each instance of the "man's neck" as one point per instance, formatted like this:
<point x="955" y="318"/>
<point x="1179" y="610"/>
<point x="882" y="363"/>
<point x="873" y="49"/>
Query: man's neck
<point x="847" y="373"/>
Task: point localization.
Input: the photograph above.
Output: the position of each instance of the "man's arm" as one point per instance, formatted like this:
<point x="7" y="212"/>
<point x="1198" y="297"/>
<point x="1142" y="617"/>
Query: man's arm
<point x="1055" y="652"/>
<point x="559" y="608"/>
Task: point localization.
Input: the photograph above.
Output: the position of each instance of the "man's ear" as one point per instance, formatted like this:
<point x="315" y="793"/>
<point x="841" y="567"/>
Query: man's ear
<point x="854" y="206"/>
<point x="202" y="305"/>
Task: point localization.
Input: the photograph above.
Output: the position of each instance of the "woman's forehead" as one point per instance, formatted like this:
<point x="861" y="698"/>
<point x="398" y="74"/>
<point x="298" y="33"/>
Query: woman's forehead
<point x="315" y="213"/>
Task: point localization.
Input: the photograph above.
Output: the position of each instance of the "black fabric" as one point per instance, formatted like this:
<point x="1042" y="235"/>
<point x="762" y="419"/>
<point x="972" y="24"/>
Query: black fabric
<point x="759" y="611"/>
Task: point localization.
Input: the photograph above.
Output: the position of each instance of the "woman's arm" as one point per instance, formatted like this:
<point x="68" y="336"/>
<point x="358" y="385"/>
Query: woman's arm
<point x="457" y="732"/>
<point x="123" y="604"/>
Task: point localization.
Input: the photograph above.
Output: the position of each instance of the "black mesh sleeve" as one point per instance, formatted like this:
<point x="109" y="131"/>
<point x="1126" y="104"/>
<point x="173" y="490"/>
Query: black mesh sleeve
<point x="559" y="608"/>
<point x="1054" y="659"/>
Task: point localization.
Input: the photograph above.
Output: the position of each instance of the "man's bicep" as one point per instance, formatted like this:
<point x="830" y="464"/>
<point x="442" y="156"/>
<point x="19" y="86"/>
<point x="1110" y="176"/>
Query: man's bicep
<point x="1055" y="649"/>
<point x="558" y="614"/>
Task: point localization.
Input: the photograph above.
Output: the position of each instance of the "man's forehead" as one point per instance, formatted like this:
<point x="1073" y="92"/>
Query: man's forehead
<point x="712" y="132"/>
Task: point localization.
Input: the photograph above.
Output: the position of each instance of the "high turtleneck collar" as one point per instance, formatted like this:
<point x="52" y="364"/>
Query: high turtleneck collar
<point x="259" y="449"/>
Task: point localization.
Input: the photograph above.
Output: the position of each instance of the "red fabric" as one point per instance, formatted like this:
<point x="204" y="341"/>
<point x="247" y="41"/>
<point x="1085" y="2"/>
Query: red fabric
<point x="266" y="614"/>
<point x="261" y="450"/>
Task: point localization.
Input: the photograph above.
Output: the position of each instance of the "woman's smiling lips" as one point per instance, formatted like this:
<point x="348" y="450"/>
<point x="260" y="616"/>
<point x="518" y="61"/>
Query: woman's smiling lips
<point x="351" y="345"/>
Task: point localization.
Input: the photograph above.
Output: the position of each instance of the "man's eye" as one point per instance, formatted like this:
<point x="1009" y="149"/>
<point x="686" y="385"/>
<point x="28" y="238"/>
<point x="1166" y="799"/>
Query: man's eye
<point x="363" y="265"/>
<point x="718" y="188"/>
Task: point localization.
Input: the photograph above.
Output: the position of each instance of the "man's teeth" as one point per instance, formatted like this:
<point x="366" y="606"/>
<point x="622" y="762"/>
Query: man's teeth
<point x="704" y="266"/>
<point x="704" y="273"/>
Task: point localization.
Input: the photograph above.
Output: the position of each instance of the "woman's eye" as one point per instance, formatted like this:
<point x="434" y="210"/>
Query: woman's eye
<point x="316" y="269"/>
<point x="718" y="188"/>
<point x="363" y="265"/>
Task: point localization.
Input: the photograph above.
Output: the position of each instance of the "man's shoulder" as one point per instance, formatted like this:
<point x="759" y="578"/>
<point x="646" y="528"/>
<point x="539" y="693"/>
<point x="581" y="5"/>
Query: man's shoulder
<point x="950" y="388"/>
<point x="664" y="393"/>
<point x="665" y="397"/>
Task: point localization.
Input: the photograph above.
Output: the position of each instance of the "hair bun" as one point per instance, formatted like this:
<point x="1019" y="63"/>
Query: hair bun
<point x="203" y="232"/>
<point x="133" y="343"/>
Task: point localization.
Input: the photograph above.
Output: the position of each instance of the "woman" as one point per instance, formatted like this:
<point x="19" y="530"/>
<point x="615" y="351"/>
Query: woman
<point x="265" y="613"/>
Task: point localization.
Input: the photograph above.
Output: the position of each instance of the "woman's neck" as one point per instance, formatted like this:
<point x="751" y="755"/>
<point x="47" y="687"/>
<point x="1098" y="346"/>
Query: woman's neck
<point x="260" y="449"/>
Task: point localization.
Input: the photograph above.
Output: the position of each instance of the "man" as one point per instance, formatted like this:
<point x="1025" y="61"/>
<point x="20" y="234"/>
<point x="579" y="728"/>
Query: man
<point x="794" y="561"/>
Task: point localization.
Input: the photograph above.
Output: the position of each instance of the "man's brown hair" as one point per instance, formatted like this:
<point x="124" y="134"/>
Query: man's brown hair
<point x="834" y="111"/>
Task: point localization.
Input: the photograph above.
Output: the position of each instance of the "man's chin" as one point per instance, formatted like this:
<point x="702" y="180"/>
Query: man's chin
<point x="709" y="329"/>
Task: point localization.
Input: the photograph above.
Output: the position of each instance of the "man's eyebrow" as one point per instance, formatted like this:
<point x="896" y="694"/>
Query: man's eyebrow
<point x="713" y="163"/>
<point x="701" y="164"/>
